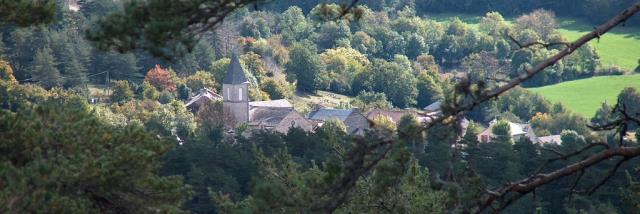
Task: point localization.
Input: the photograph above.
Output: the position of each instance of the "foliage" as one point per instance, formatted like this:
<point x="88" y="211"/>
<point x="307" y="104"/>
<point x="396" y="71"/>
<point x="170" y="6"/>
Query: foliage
<point x="305" y="66"/>
<point x="341" y="65"/>
<point x="293" y="25"/>
<point x="44" y="70"/>
<point x="219" y="68"/>
<point x="429" y="89"/>
<point x="165" y="97"/>
<point x="27" y="12"/>
<point x="277" y="88"/>
<point x="160" y="78"/>
<point x="502" y="133"/>
<point x="96" y="168"/>
<point x="256" y="94"/>
<point x="493" y="24"/>
<point x="394" y="79"/>
<point x="148" y="91"/>
<point x="184" y="92"/>
<point x="121" y="92"/>
<point x="369" y="100"/>
<point x="542" y="22"/>
<point x="208" y="165"/>
<point x="6" y="72"/>
<point x="200" y="80"/>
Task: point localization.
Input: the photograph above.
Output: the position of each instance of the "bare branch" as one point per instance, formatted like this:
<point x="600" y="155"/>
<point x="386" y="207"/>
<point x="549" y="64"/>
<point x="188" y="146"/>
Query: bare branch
<point x="537" y="43"/>
<point x="528" y="185"/>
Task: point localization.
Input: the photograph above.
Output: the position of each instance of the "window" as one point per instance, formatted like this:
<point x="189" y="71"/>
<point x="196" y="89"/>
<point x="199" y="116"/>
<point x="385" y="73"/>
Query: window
<point x="239" y="93"/>
<point x="228" y="93"/>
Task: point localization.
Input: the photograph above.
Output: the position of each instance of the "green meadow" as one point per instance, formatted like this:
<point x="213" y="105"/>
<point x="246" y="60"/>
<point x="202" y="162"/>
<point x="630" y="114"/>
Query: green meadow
<point x="585" y="96"/>
<point x="619" y="47"/>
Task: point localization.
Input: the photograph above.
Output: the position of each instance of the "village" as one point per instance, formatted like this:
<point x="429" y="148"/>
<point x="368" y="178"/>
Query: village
<point x="280" y="115"/>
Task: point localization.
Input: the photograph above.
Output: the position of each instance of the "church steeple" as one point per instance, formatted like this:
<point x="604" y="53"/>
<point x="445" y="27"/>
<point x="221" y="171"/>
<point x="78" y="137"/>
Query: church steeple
<point x="235" y="89"/>
<point x="235" y="72"/>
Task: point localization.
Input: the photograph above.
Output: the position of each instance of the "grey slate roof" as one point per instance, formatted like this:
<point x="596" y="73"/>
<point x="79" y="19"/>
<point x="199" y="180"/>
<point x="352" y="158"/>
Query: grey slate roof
<point x="325" y="114"/>
<point x="235" y="72"/>
<point x="281" y="103"/>
<point x="435" y="106"/>
<point x="268" y="116"/>
<point x="554" y="139"/>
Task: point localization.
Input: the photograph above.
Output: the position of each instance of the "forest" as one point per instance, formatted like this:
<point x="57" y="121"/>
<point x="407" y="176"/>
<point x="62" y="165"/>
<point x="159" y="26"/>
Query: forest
<point x="94" y="115"/>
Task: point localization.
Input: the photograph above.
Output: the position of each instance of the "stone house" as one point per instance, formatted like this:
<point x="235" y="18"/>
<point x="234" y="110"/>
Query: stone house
<point x="518" y="131"/>
<point x="352" y="118"/>
<point x="203" y="96"/>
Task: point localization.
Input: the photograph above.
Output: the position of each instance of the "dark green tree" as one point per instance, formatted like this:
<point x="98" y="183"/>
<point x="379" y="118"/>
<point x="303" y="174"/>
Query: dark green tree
<point x="395" y="80"/>
<point x="44" y="70"/>
<point x="27" y="12"/>
<point x="429" y="89"/>
<point x="119" y="66"/>
<point x="78" y="164"/>
<point x="306" y="66"/>
<point x="416" y="46"/>
<point x="502" y="133"/>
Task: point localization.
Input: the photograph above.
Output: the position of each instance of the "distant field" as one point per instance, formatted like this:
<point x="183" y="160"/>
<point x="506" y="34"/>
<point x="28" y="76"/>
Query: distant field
<point x="587" y="95"/>
<point x="621" y="46"/>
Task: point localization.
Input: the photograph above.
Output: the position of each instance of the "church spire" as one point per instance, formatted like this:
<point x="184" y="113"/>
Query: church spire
<point x="235" y="72"/>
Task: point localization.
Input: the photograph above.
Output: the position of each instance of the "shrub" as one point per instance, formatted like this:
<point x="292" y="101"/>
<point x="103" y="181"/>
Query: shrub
<point x="166" y="97"/>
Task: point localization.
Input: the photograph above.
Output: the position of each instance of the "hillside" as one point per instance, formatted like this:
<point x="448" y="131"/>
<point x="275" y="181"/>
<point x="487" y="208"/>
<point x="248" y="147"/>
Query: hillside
<point x="585" y="96"/>
<point x="619" y="47"/>
<point x="304" y="102"/>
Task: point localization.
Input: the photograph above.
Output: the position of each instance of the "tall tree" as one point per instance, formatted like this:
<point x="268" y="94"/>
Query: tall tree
<point x="306" y="66"/>
<point x="44" y="70"/>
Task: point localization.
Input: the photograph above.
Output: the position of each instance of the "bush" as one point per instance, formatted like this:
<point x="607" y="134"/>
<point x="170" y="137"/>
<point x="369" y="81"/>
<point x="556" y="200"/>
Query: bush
<point x="199" y="80"/>
<point x="147" y="91"/>
<point x="166" y="97"/>
<point x="613" y="70"/>
<point x="184" y="92"/>
<point x="276" y="88"/>
<point x="121" y="92"/>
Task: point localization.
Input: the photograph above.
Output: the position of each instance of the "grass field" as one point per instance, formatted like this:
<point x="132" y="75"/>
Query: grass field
<point x="621" y="46"/>
<point x="587" y="95"/>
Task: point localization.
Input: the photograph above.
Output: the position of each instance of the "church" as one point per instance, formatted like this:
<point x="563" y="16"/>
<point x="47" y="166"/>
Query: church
<point x="276" y="115"/>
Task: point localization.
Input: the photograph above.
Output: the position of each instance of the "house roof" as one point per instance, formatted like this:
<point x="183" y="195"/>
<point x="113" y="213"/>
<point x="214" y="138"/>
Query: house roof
<point x="325" y="114"/>
<point x="514" y="128"/>
<point x="268" y="116"/>
<point x="435" y="106"/>
<point x="282" y="103"/>
<point x="204" y="93"/>
<point x="235" y="72"/>
<point x="554" y="139"/>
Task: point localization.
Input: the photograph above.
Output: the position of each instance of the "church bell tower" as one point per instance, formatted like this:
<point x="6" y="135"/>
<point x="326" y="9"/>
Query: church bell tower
<point x="235" y="95"/>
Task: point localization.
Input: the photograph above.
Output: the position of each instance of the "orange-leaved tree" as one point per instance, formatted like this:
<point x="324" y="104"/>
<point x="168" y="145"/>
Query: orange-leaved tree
<point x="160" y="78"/>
